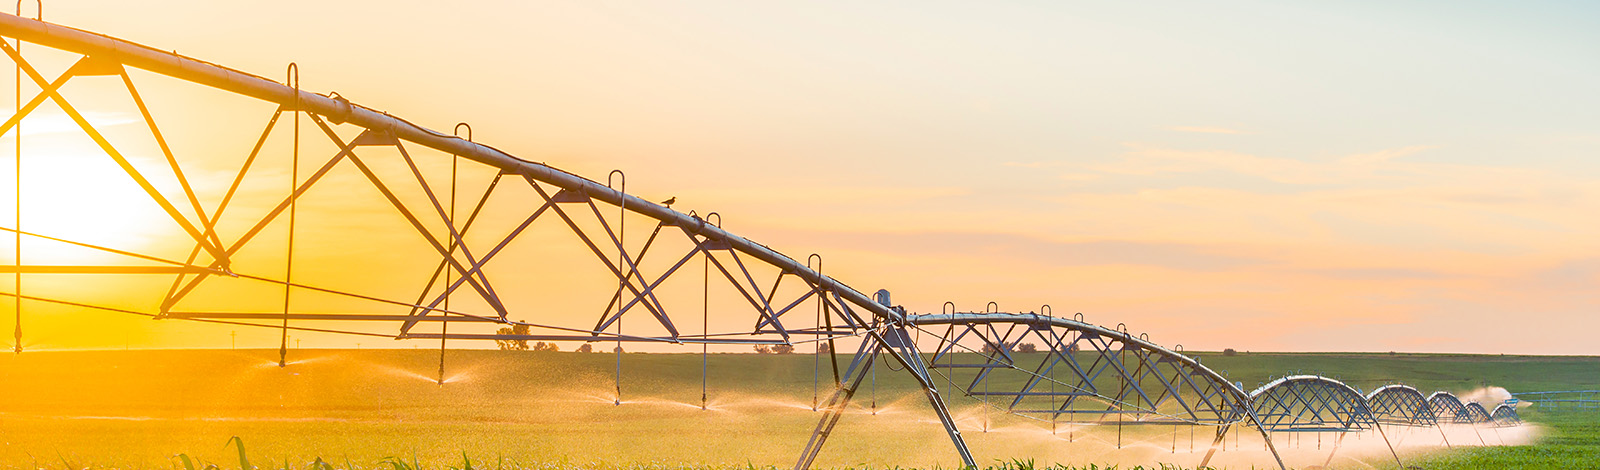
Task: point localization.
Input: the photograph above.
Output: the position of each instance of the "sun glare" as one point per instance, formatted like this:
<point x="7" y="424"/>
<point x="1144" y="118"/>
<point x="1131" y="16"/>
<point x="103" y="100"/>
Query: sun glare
<point x="84" y="198"/>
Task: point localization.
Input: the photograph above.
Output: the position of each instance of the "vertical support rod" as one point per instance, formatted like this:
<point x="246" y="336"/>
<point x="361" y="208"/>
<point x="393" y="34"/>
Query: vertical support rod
<point x="17" y="278"/>
<point x="705" y="321"/>
<point x="294" y="183"/>
<point x="17" y="287"/>
<point x="622" y="281"/>
<point x="444" y="325"/>
<point x="816" y="337"/>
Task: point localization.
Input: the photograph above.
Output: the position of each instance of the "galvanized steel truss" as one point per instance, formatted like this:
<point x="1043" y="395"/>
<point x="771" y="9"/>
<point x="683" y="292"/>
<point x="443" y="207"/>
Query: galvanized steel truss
<point x="1505" y="416"/>
<point x="1474" y="413"/>
<point x="1400" y="405"/>
<point x="1566" y="399"/>
<point x="1447" y="408"/>
<point x="1300" y="403"/>
<point x="1081" y="373"/>
<point x="460" y="264"/>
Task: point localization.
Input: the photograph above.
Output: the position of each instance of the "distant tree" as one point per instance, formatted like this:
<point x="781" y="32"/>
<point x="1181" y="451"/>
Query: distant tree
<point x="1230" y="352"/>
<point x="543" y="346"/>
<point x="1027" y="348"/>
<point x="1009" y="347"/>
<point x="586" y="347"/>
<point x="617" y="349"/>
<point x="513" y="344"/>
<point x="824" y="348"/>
<point x="782" y="348"/>
<point x="763" y="349"/>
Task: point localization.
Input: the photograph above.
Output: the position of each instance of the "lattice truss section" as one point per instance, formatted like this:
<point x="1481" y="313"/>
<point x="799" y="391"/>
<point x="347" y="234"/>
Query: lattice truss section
<point x="1072" y="371"/>
<point x="1309" y="403"/>
<point x="361" y="215"/>
<point x="1505" y="416"/>
<point x="1447" y="408"/>
<point x="334" y="217"/>
<point x="1474" y="413"/>
<point x="1400" y="405"/>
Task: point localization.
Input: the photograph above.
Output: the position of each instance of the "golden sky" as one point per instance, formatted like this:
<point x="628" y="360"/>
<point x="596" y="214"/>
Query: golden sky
<point x="1300" y="177"/>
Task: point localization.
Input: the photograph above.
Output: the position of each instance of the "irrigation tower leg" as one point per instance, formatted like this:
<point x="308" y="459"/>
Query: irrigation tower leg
<point x="834" y="407"/>
<point x="1266" y="436"/>
<point x="1391" y="446"/>
<point x="1222" y="433"/>
<point x="900" y="347"/>
<point x="1335" y="450"/>
<point x="897" y="343"/>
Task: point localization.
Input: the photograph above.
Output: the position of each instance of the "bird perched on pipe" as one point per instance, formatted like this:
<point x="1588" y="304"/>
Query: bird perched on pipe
<point x="669" y="201"/>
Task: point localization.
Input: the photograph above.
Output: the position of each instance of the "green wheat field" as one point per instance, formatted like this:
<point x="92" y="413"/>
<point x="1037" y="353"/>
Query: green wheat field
<point x="381" y="409"/>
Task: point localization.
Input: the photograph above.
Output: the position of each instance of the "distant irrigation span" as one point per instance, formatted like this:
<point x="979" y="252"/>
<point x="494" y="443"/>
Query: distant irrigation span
<point x="1562" y="400"/>
<point x="614" y="255"/>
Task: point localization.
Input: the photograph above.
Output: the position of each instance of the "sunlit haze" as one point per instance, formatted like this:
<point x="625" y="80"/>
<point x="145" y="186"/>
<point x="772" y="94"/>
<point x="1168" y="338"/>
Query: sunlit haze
<point x="1265" y="176"/>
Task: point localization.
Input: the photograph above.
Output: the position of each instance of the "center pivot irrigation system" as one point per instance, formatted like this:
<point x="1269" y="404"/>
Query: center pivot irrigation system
<point x="1086" y="374"/>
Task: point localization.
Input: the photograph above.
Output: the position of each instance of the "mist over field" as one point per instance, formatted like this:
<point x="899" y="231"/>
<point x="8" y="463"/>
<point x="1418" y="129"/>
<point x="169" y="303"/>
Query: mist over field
<point x="140" y="408"/>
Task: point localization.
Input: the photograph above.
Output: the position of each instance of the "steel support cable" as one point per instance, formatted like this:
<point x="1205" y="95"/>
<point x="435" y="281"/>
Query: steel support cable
<point x="465" y="227"/>
<point x="453" y="235"/>
<point x="201" y="320"/>
<point x="416" y="224"/>
<point x="172" y="161"/>
<point x="450" y="230"/>
<point x="274" y="281"/>
<point x="168" y="300"/>
<point x="649" y="287"/>
<point x="110" y="250"/>
<point x="111" y="151"/>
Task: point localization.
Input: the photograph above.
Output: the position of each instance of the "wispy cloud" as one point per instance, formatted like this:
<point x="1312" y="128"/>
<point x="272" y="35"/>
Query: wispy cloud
<point x="1178" y="256"/>
<point x="1144" y="160"/>
<point x="1208" y="130"/>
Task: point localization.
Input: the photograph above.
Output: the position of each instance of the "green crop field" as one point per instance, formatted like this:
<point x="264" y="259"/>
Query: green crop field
<point x="514" y="410"/>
